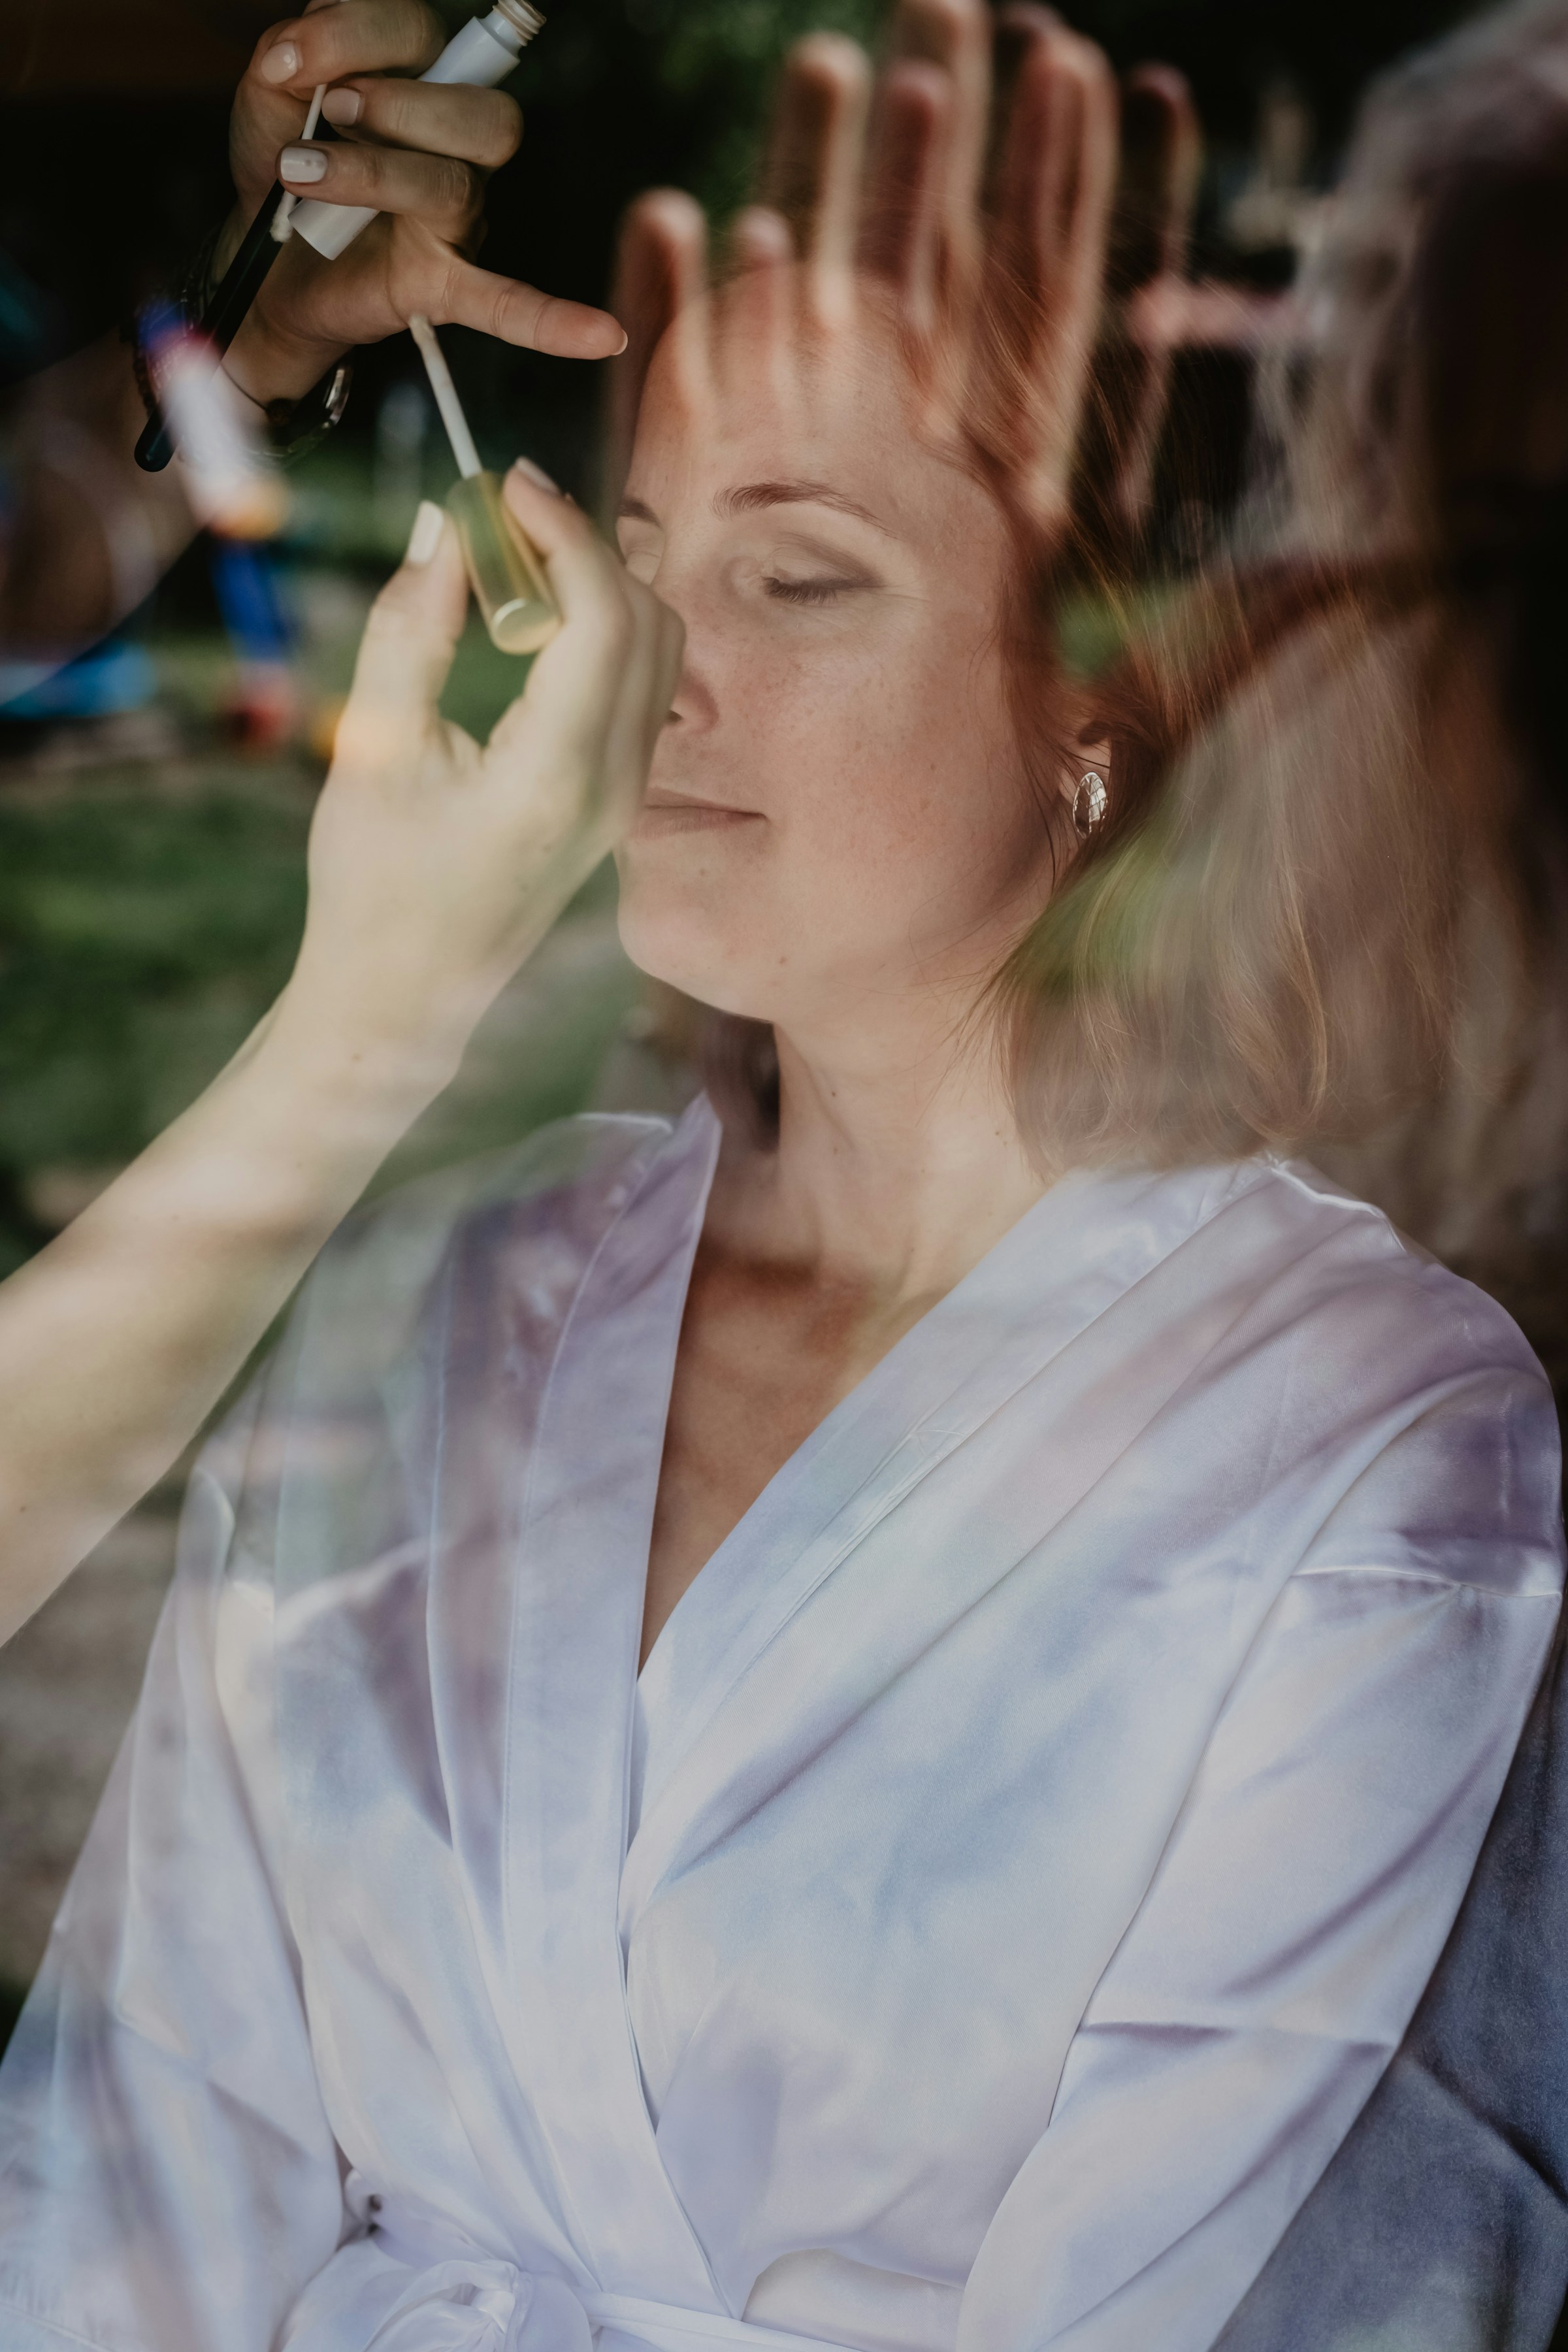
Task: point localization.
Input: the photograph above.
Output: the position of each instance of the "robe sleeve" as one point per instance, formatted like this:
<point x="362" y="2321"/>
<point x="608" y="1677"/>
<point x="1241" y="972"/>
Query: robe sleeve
<point x="168" y="2179"/>
<point x="1299" y="1909"/>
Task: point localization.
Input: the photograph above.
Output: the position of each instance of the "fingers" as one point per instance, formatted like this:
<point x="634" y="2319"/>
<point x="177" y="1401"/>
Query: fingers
<point x="356" y="36"/>
<point x="661" y="276"/>
<point x="1050" y="204"/>
<point x="513" y="312"/>
<point x="446" y="194"/>
<point x="595" y="640"/>
<point x="483" y="127"/>
<point x="902" y="232"/>
<point x="588" y="578"/>
<point x="1058" y="157"/>
<point x="601" y="689"/>
<point x="955" y="36"/>
<point x="1155" y="196"/>
<point x="754" y="343"/>
<point x="815" y="151"/>
<point x="1157" y="184"/>
<point x="406" y="650"/>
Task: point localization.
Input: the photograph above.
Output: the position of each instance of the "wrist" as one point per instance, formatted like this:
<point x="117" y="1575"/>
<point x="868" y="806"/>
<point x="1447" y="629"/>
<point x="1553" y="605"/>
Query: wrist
<point x="357" y="1065"/>
<point x="267" y="366"/>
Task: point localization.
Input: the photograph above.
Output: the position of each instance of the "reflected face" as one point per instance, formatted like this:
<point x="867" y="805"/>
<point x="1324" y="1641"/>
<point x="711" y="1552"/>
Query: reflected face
<point x="838" y="811"/>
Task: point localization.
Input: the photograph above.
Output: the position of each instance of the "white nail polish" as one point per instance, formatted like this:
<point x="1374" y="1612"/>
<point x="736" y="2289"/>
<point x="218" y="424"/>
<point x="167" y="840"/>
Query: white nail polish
<point x="281" y="62"/>
<point x="536" y="475"/>
<point x="303" y="164"/>
<point x="426" y="536"/>
<point x="342" y="107"/>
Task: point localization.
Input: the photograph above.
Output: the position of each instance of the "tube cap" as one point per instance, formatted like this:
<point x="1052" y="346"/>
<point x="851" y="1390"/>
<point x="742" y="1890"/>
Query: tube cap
<point x="506" y="574"/>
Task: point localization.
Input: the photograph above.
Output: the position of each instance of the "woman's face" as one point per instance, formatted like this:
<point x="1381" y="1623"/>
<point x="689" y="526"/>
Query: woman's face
<point x="837" y="814"/>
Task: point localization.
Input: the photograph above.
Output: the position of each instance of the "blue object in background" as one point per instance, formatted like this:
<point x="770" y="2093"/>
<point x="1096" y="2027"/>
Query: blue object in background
<point x="248" y="600"/>
<point x="99" y="683"/>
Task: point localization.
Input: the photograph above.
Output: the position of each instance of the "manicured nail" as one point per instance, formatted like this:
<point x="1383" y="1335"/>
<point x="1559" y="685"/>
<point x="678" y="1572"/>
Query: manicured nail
<point x="536" y="475"/>
<point x="302" y="164"/>
<point x="342" y="106"/>
<point x="281" y="62"/>
<point x="426" y="536"/>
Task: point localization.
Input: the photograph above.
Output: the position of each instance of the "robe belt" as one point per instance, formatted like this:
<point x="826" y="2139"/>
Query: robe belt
<point x="381" y="2293"/>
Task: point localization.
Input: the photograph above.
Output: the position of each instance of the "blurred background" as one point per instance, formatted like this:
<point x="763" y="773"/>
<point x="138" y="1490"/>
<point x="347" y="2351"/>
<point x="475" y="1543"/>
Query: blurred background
<point x="155" y="792"/>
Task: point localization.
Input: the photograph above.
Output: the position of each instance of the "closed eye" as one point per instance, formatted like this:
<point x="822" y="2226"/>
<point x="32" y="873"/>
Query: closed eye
<point x="811" y="592"/>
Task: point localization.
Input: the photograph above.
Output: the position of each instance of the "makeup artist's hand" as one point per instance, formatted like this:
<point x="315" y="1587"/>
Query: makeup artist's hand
<point x="436" y="864"/>
<point x="421" y="154"/>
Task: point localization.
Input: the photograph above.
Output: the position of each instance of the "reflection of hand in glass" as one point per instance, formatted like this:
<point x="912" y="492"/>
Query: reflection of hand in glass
<point x="434" y="866"/>
<point x="421" y="154"/>
<point x="1008" y="286"/>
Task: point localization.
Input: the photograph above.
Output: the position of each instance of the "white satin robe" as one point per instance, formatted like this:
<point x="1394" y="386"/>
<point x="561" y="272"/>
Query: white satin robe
<point x="1050" y="1800"/>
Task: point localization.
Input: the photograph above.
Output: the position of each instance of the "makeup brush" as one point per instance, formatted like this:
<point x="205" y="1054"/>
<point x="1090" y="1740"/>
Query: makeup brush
<point x="504" y="571"/>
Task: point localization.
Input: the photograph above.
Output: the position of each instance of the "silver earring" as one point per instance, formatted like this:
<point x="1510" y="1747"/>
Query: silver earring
<point x="1089" y="804"/>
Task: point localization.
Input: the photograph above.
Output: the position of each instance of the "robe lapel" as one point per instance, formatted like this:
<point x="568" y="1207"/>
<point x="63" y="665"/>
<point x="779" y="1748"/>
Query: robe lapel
<point x="579" y="1573"/>
<point x="1026" y="1315"/>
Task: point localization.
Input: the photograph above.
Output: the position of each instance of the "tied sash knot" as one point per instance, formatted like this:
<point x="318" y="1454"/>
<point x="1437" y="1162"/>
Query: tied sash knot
<point x="413" y="2283"/>
<point x="483" y="2306"/>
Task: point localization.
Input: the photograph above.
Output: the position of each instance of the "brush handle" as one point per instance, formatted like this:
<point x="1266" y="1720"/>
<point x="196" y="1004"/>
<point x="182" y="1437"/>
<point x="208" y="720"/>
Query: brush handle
<point x="224" y="316"/>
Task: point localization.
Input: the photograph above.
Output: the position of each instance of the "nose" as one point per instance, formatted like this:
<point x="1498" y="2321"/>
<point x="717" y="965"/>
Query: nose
<point x="694" y="704"/>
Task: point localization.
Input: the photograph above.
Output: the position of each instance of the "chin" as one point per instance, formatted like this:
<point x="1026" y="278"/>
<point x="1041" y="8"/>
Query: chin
<point x="679" y="939"/>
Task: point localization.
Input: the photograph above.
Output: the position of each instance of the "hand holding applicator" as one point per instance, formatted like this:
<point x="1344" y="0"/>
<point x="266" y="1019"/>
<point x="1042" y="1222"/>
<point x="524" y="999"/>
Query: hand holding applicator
<point x="506" y="576"/>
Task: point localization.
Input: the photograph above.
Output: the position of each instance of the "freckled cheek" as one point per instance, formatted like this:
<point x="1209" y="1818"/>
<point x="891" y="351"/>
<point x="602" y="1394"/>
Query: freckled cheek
<point x="879" y="756"/>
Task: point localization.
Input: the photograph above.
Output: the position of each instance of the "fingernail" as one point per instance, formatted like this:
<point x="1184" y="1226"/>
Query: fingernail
<point x="302" y="164"/>
<point x="281" y="62"/>
<point x="342" y="106"/>
<point x="536" y="475"/>
<point x="426" y="536"/>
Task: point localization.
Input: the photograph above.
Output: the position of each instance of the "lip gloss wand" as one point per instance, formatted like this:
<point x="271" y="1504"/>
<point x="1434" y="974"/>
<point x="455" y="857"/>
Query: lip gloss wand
<point x="506" y="576"/>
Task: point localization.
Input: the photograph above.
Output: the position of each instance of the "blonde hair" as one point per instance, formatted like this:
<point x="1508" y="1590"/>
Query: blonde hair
<point x="1338" y="824"/>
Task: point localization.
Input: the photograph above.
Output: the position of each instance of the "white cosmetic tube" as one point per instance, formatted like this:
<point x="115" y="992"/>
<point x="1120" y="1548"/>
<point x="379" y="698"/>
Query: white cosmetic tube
<point x="482" y="54"/>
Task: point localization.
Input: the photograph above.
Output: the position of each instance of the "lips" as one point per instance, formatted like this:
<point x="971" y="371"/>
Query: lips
<point x="666" y="811"/>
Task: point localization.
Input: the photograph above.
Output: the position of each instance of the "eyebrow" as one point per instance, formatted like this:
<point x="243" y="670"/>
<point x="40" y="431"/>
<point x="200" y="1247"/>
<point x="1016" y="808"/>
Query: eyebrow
<point x="751" y="497"/>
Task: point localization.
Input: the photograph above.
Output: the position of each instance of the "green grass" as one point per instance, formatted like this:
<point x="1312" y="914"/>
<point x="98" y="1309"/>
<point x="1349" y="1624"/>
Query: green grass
<point x="143" y="933"/>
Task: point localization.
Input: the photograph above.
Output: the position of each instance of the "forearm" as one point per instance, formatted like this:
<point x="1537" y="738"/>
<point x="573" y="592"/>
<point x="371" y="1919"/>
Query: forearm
<point x="117" y="1340"/>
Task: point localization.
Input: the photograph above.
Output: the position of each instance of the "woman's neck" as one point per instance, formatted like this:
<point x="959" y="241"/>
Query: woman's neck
<point x="895" y="1170"/>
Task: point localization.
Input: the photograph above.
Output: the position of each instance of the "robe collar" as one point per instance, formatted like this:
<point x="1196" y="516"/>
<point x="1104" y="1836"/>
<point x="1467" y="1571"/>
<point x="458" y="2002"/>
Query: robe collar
<point x="577" y="1570"/>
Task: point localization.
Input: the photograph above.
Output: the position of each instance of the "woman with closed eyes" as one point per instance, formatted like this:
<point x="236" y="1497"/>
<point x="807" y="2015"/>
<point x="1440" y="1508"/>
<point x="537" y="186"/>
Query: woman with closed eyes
<point x="856" y="1722"/>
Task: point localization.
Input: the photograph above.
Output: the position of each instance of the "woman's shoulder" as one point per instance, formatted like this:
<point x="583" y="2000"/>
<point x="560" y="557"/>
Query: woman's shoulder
<point x="1329" y="1258"/>
<point x="1355" y="1344"/>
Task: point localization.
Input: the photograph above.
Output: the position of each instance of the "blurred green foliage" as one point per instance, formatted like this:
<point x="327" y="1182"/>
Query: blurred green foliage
<point x="142" y="936"/>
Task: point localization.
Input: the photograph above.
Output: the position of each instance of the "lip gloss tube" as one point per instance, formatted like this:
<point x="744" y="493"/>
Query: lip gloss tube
<point x="504" y="573"/>
<point x="483" y="53"/>
<point x="508" y="587"/>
